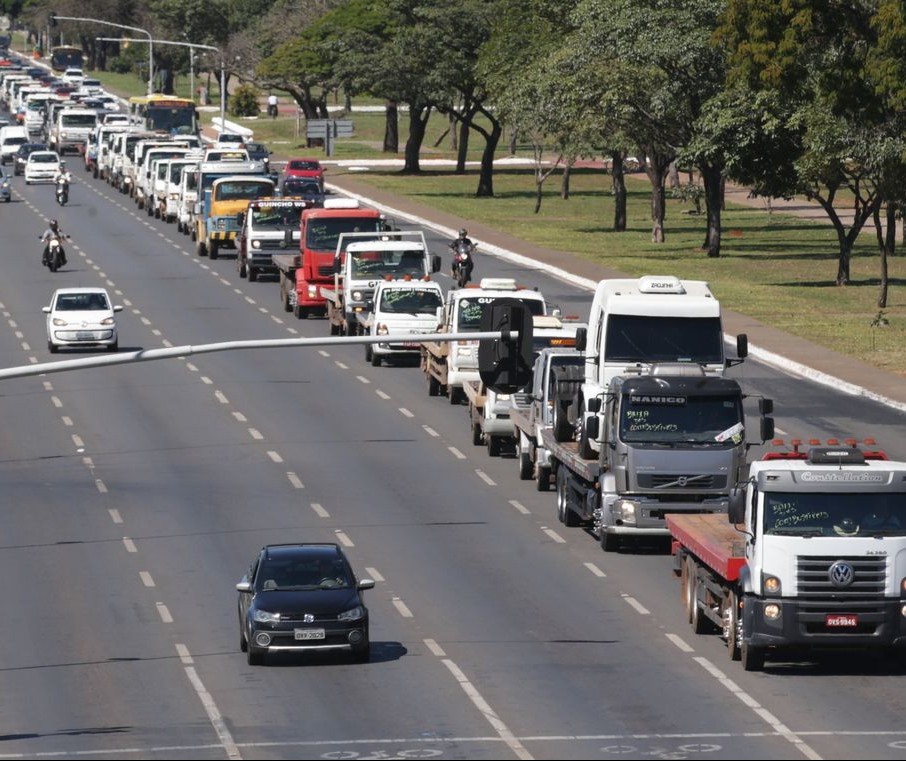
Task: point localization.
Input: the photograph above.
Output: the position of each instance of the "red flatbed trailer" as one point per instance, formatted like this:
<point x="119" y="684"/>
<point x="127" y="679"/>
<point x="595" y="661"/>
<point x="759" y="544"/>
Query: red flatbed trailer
<point x="712" y="539"/>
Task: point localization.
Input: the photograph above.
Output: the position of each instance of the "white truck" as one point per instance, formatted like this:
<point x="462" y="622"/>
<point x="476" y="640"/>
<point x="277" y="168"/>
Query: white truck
<point x="145" y="176"/>
<point x="400" y="307"/>
<point x="447" y="365"/>
<point x="636" y="324"/>
<point x="267" y="227"/>
<point x="364" y="259"/>
<point x="811" y="555"/>
<point x="72" y="130"/>
<point x="169" y="193"/>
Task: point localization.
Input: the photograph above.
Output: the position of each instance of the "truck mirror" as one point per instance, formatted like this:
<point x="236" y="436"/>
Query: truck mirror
<point x="505" y="364"/>
<point x="591" y="428"/>
<point x="435" y="263"/>
<point x="767" y="429"/>
<point x="742" y="346"/>
<point x="593" y="405"/>
<point x="439" y="314"/>
<point x="337" y="266"/>
<point x="287" y="238"/>
<point x="736" y="510"/>
<point x="765" y="406"/>
<point x="581" y="338"/>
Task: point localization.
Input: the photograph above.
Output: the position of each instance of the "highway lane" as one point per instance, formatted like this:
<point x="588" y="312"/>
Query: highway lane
<point x="556" y="650"/>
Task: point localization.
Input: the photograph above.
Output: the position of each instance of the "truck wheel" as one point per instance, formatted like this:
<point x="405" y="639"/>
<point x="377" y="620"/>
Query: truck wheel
<point x="565" y="514"/>
<point x="493" y="446"/>
<point x="368" y="351"/>
<point x="334" y="329"/>
<point x="752" y="657"/>
<point x="200" y="249"/>
<point x="476" y="434"/>
<point x="253" y="274"/>
<point x="375" y="359"/>
<point x="433" y="386"/>
<point x="213" y="249"/>
<point x="300" y="312"/>
<point x="240" y="265"/>
<point x="731" y="625"/>
<point x="609" y="542"/>
<point x="453" y="394"/>
<point x="701" y="624"/>
<point x="563" y="429"/>
<point x="526" y="467"/>
<point x="193" y="234"/>
<point x="543" y="481"/>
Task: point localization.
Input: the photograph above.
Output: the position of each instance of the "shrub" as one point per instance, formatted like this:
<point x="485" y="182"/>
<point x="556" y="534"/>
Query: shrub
<point x="119" y="65"/>
<point x="244" y="101"/>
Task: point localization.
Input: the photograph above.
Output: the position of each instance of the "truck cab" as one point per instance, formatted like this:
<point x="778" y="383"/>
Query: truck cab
<point x="72" y="129"/>
<point x="268" y="226"/>
<point x="401" y="307"/>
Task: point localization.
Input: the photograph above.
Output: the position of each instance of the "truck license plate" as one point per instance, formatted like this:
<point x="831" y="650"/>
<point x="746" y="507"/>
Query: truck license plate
<point x="841" y="621"/>
<point x="309" y="633"/>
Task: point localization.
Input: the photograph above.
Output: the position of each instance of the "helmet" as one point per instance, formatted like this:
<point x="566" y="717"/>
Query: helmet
<point x="54" y="225"/>
<point x="463" y="233"/>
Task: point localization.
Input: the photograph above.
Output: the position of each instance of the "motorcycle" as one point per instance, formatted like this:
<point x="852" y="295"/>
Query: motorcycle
<point x="461" y="268"/>
<point x="54" y="254"/>
<point x="63" y="190"/>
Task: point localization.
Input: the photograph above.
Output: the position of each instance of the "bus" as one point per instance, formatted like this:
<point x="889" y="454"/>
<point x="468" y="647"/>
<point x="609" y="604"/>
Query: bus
<point x="65" y="57"/>
<point x="164" y="113"/>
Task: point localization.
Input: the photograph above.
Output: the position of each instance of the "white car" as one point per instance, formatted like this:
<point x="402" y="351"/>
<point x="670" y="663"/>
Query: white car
<point x="229" y="140"/>
<point x="42" y="166"/>
<point x="81" y="317"/>
<point x="73" y="76"/>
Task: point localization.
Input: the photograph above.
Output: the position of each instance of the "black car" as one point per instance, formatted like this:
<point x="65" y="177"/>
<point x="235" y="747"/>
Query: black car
<point x="305" y="188"/>
<point x="20" y="157"/>
<point x="299" y="597"/>
<point x="258" y="152"/>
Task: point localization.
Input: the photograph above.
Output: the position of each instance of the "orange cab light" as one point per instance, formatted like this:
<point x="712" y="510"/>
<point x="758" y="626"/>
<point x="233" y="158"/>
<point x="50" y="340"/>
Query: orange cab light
<point x="851" y="442"/>
<point x="814" y="442"/>
<point x="870" y="442"/>
<point x="388" y="278"/>
<point x="407" y="277"/>
<point x="833" y="442"/>
<point x="777" y="442"/>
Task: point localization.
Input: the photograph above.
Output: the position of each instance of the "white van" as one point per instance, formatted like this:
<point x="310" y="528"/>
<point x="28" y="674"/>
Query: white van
<point x="11" y="137"/>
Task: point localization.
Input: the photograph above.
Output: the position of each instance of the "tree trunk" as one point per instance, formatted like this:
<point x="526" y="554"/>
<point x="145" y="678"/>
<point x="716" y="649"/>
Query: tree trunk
<point x="673" y="177"/>
<point x="454" y="142"/>
<point x="619" y="192"/>
<point x="846" y="238"/>
<point x="463" y="149"/>
<point x="418" y="121"/>
<point x="539" y="186"/>
<point x="887" y="241"/>
<point x="564" y="181"/>
<point x="656" y="169"/>
<point x="711" y="177"/>
<point x="491" y="140"/>
<point x="391" y="128"/>
<point x="513" y="135"/>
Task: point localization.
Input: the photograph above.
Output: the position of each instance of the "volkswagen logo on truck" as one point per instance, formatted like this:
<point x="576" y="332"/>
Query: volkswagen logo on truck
<point x="841" y="574"/>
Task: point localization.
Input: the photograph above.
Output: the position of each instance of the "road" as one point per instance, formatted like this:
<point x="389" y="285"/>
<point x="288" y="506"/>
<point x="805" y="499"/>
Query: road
<point x="137" y="495"/>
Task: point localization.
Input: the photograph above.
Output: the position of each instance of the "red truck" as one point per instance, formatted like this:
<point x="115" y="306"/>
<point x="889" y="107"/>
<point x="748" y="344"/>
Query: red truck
<point x="302" y="275"/>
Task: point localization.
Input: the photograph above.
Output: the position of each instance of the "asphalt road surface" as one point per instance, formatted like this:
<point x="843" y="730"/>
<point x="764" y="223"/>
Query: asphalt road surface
<point x="135" y="497"/>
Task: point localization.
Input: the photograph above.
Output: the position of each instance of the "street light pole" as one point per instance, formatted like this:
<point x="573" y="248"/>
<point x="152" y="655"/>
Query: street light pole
<point x="120" y="26"/>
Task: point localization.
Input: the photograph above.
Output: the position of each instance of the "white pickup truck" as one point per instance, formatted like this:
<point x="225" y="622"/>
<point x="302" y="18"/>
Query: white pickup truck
<point x="401" y="306"/>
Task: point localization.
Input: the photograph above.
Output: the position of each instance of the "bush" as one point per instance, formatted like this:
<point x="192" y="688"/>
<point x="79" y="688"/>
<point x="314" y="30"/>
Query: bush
<point x="244" y="101"/>
<point x="119" y="65"/>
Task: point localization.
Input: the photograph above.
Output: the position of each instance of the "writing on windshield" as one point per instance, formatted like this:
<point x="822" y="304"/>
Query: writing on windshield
<point x="655" y="418"/>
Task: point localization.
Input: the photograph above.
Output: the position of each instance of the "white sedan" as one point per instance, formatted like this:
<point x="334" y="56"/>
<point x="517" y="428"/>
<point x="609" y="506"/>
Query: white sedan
<point x="81" y="317"/>
<point x="41" y="166"/>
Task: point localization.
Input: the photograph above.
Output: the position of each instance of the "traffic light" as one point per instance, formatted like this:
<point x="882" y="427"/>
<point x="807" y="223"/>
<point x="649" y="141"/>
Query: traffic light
<point x="52" y="19"/>
<point x="505" y="364"/>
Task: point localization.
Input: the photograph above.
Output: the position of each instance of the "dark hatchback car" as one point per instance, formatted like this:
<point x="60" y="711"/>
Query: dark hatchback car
<point x="299" y="597"/>
<point x="258" y="152"/>
<point x="308" y="190"/>
<point x="20" y="157"/>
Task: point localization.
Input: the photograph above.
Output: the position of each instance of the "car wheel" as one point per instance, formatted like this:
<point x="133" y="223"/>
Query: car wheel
<point x="254" y="657"/>
<point x="243" y="642"/>
<point x="200" y="249"/>
<point x="362" y="653"/>
<point x="368" y="351"/>
<point x="114" y="346"/>
<point x="52" y="348"/>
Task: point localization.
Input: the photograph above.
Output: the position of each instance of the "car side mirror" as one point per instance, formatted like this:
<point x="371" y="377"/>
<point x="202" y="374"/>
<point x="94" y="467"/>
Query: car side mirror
<point x="244" y="586"/>
<point x="46" y="310"/>
<point x="118" y="308"/>
<point x="365" y="584"/>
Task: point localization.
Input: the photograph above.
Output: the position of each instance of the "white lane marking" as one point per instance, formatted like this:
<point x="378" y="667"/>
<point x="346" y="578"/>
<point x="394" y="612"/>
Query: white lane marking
<point x="19" y="334"/>
<point x="206" y="380"/>
<point x="184" y="655"/>
<point x="456" y="453"/>
<point x="520" y="507"/>
<point x="485" y="477"/>
<point x="48" y="386"/>
<point x="276" y="319"/>
<point x="344" y="539"/>
<point x="374" y="573"/>
<point x="341" y="365"/>
<point x="430" y="431"/>
<point x="275" y="456"/>
<point x="167" y="343"/>
<point x="240" y="417"/>
<point x="221" y="397"/>
<point x="435" y="648"/>
<point x="145" y="320"/>
<point x="769" y="718"/>
<point x="401" y="607"/>
<point x="406" y="412"/>
<point x="323" y="353"/>
<point x="102" y="487"/>
<point x="680" y="643"/>
<point x="295" y="480"/>
<point x="319" y="510"/>
<point x="115" y="515"/>
<point x="146" y="579"/>
<point x="255" y="434"/>
<point x="639" y="608"/>
<point x="77" y="440"/>
<point x="381" y="394"/>
<point x="67" y="421"/>
<point x="164" y="613"/>
<point x="362" y="379"/>
<point x="249" y="299"/>
<point x="129" y="544"/>
<point x="214" y="715"/>
<point x="191" y="367"/>
<point x="595" y="570"/>
<point x="553" y="535"/>
<point x="26" y="346"/>
<point x="482" y="705"/>
<point x="776" y="430"/>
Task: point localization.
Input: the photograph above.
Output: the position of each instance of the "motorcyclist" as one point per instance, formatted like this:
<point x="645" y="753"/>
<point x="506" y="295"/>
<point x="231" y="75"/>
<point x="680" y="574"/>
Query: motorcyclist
<point x="463" y="241"/>
<point x="463" y="238"/>
<point x="53" y="231"/>
<point x="63" y="176"/>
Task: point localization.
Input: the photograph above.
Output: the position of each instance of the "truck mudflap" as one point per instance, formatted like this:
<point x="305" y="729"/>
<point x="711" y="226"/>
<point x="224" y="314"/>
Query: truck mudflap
<point x="830" y="624"/>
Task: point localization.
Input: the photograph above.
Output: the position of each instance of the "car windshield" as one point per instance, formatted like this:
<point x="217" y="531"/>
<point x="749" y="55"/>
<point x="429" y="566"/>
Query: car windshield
<point x="81" y="302"/>
<point x="44" y="158"/>
<point x="305" y="166"/>
<point x="302" y="575"/>
<point x="835" y="513"/>
<point x="410" y="301"/>
<point x="78" y="120"/>
<point x="295" y="188"/>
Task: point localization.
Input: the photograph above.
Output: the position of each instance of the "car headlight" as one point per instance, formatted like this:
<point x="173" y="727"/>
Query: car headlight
<point x="108" y="321"/>
<point x="353" y="614"/>
<point x="59" y="323"/>
<point x="356" y="295"/>
<point x="256" y="244"/>
<point x="266" y="617"/>
<point x="463" y="351"/>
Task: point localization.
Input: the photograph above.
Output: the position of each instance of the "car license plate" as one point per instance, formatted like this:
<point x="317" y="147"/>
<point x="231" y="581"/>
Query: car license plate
<point x="841" y="621"/>
<point x="309" y="633"/>
<point x="84" y="336"/>
<point x="410" y="345"/>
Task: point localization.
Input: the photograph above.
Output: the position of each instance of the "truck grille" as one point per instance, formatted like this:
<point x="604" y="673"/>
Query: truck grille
<point x="325" y="271"/>
<point x="869" y="583"/>
<point x="279" y="244"/>
<point x="690" y="481"/>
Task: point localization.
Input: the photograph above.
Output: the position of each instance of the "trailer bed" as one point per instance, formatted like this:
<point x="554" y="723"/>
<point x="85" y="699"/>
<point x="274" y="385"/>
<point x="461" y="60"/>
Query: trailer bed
<point x="567" y="452"/>
<point x="712" y="539"/>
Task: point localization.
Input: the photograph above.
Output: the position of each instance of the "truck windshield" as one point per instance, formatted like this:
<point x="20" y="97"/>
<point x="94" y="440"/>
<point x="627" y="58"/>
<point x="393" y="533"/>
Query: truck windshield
<point x="468" y="312"/>
<point x="649" y="418"/>
<point x="379" y="264"/>
<point x="834" y="513"/>
<point x="277" y="217"/>
<point x="242" y="190"/>
<point x="409" y="301"/>
<point x="636" y="338"/>
<point x="324" y="234"/>
<point x="78" y="120"/>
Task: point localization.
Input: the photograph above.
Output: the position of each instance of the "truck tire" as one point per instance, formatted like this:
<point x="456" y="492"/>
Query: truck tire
<point x="253" y="274"/>
<point x="732" y="631"/>
<point x="453" y="394"/>
<point x="543" y="481"/>
<point x="200" y="248"/>
<point x="213" y="249"/>
<point x="563" y="429"/>
<point x="300" y="312"/>
<point x="701" y="624"/>
<point x="375" y="359"/>
<point x="240" y="265"/>
<point x="476" y="434"/>
<point x="493" y="446"/>
<point x="526" y="467"/>
<point x="752" y="657"/>
<point x="368" y="352"/>
<point x="565" y="513"/>
<point x="433" y="386"/>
